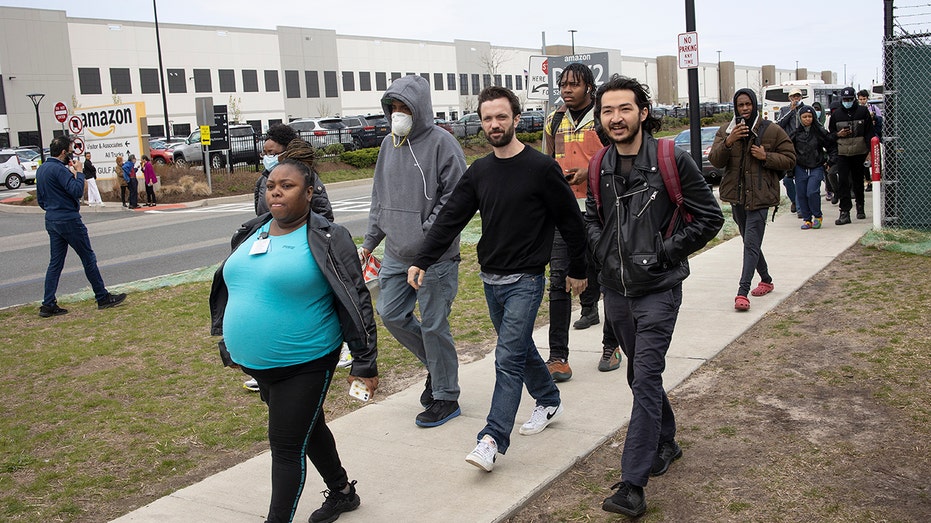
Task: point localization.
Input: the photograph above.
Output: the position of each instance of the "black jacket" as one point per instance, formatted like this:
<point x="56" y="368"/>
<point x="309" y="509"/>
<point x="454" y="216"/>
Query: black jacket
<point x="335" y="253"/>
<point x="811" y="144"/>
<point x="626" y="231"/>
<point x="861" y="120"/>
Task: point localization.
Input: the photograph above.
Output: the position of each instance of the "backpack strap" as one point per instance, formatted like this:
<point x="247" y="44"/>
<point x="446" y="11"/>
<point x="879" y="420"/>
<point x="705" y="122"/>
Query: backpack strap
<point x="554" y="126"/>
<point x="594" y="174"/>
<point x="666" y="150"/>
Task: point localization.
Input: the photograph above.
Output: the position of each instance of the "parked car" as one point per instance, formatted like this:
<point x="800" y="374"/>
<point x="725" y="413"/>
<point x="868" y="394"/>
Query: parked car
<point x="30" y="160"/>
<point x="531" y="122"/>
<point x="684" y="140"/>
<point x="242" y="148"/>
<point x="363" y="133"/>
<point x="321" y="132"/>
<point x="160" y="152"/>
<point x="382" y="127"/>
<point x="11" y="171"/>
<point x="468" y="125"/>
<point x="439" y="122"/>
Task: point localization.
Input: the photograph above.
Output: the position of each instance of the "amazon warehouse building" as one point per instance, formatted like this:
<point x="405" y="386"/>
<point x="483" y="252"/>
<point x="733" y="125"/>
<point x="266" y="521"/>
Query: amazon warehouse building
<point x="270" y="76"/>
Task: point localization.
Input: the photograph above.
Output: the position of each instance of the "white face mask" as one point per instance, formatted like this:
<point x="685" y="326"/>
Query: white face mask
<point x="270" y="161"/>
<point x="401" y="123"/>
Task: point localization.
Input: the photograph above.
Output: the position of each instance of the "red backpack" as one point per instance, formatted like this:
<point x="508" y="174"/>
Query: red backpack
<point x="666" y="154"/>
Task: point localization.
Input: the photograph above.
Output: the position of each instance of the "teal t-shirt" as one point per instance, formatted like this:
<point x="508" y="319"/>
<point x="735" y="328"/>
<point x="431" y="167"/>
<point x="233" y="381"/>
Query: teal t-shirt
<point x="280" y="310"/>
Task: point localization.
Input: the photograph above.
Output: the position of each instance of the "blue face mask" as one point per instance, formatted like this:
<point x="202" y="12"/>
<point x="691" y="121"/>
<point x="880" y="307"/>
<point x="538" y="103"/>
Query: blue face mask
<point x="270" y="161"/>
<point x="818" y="113"/>
<point x="847" y="105"/>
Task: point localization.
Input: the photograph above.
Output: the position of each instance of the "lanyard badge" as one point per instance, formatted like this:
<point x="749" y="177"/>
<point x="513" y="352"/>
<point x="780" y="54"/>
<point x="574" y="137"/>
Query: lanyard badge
<point x="261" y="245"/>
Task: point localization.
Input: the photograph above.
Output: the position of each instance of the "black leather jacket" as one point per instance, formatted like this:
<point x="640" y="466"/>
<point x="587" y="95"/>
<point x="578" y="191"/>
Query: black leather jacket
<point x="626" y="230"/>
<point x="335" y="253"/>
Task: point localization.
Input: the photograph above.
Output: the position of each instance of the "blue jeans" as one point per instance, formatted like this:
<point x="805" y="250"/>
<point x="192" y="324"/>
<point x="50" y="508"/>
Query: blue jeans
<point x="644" y="325"/>
<point x="427" y="338"/>
<point x="513" y="309"/>
<point x="72" y="233"/>
<point x="752" y="225"/>
<point x="808" y="184"/>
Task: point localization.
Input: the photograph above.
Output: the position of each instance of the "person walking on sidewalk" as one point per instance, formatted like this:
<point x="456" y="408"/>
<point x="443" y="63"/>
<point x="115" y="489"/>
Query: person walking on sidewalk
<point x="788" y="120"/>
<point x="852" y="126"/>
<point x="753" y="154"/>
<point x="522" y="197"/>
<point x="285" y="300"/>
<point x="418" y="167"/>
<point x="571" y="139"/>
<point x="642" y="271"/>
<point x="811" y="141"/>
<point x="58" y="190"/>
<point x="90" y="176"/>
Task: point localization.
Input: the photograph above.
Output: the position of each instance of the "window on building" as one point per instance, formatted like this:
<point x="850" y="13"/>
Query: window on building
<point x="497" y="79"/>
<point x="292" y="84"/>
<point x="509" y="82"/>
<point x="312" y="79"/>
<point x="2" y="98"/>
<point x="349" y="81"/>
<point x="519" y="82"/>
<point x="365" y="81"/>
<point x="486" y="80"/>
<point x="148" y="81"/>
<point x="29" y="138"/>
<point x="395" y="76"/>
<point x="256" y="125"/>
<point x="177" y="81"/>
<point x="250" y="81"/>
<point x="274" y="121"/>
<point x="426" y="76"/>
<point x="120" y="82"/>
<point x="329" y="84"/>
<point x="156" y="130"/>
<point x="476" y="87"/>
<point x="181" y="130"/>
<point x="271" y="81"/>
<point x="227" y="80"/>
<point x="5" y="140"/>
<point x="89" y="80"/>
<point x="438" y="81"/>
<point x="202" y="82"/>
<point x="381" y="81"/>
<point x="451" y="81"/>
<point x="463" y="84"/>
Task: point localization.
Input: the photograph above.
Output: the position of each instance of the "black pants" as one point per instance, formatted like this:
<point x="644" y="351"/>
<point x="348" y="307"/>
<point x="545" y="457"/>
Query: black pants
<point x="850" y="174"/>
<point x="752" y="225"/>
<point x="150" y="194"/>
<point x="123" y="190"/>
<point x="133" y="192"/>
<point x="296" y="428"/>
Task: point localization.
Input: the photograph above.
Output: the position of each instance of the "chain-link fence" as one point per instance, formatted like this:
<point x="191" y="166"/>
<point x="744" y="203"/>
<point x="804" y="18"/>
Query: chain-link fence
<point x="906" y="184"/>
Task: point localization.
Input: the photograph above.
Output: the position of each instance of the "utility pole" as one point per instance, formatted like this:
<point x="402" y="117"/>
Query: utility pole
<point x="161" y="73"/>
<point x="36" y="98"/>
<point x="572" y="34"/>
<point x="694" y="116"/>
<point x="720" y="87"/>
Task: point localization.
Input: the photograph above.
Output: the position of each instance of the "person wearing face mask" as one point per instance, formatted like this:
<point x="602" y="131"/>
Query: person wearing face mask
<point x="277" y="139"/>
<point x="852" y="126"/>
<point x="418" y="166"/>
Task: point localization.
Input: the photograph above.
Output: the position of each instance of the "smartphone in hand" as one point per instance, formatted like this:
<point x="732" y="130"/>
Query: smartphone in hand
<point x="359" y="390"/>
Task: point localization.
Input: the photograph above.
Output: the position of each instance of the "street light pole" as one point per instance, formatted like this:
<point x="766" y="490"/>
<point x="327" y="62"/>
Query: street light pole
<point x="572" y="33"/>
<point x="796" y="70"/>
<point x="720" y="87"/>
<point x="36" y="98"/>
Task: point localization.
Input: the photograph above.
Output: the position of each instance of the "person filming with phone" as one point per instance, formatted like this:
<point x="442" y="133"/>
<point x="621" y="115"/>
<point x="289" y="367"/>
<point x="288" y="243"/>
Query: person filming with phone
<point x="285" y="300"/>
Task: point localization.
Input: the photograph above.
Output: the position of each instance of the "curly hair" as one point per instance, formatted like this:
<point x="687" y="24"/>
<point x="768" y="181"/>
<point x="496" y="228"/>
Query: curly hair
<point x="281" y="133"/>
<point x="301" y="151"/>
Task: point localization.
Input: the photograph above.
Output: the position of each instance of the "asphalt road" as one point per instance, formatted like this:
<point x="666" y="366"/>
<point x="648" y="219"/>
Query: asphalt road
<point x="132" y="246"/>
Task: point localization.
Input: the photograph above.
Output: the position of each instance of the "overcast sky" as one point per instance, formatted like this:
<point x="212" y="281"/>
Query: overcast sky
<point x="819" y="34"/>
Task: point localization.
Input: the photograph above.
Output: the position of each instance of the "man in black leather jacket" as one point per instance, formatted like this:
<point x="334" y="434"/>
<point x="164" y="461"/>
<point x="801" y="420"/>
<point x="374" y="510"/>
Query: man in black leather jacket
<point x="626" y="217"/>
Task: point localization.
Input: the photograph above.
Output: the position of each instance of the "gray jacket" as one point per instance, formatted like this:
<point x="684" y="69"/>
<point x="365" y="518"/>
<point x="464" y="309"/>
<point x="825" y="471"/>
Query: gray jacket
<point x="414" y="179"/>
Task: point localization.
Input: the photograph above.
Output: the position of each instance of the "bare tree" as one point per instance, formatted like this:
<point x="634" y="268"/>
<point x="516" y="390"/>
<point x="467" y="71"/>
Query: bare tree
<point x="235" y="109"/>
<point x="492" y="61"/>
<point x="323" y="108"/>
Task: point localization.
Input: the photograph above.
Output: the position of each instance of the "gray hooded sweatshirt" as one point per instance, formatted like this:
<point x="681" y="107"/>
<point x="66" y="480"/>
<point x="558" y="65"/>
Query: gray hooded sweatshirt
<point x="413" y="180"/>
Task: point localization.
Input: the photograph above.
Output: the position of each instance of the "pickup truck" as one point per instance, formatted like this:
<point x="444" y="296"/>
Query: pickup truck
<point x="242" y="149"/>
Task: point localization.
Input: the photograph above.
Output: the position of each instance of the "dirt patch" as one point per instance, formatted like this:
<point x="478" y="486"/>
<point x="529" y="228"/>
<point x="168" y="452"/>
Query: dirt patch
<point x="817" y="413"/>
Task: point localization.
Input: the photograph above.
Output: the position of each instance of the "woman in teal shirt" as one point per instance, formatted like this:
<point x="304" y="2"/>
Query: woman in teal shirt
<point x="285" y="300"/>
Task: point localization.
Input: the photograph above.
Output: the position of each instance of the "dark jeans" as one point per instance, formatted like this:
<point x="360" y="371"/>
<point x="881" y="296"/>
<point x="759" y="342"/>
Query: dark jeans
<point x="850" y="174"/>
<point x="150" y="193"/>
<point x="808" y="184"/>
<point x="644" y="325"/>
<point x="789" y="183"/>
<point x="133" y="192"/>
<point x="296" y="427"/>
<point x="561" y="300"/>
<point x="752" y="225"/>
<point x="61" y="234"/>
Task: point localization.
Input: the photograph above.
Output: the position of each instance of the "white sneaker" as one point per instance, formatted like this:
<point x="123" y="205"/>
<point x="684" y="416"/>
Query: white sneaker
<point x="484" y="454"/>
<point x="345" y="358"/>
<point x="541" y="417"/>
<point x="251" y="384"/>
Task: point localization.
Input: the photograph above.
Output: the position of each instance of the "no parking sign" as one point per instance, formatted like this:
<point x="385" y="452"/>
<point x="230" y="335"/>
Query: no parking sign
<point x="75" y="124"/>
<point x="78" y="145"/>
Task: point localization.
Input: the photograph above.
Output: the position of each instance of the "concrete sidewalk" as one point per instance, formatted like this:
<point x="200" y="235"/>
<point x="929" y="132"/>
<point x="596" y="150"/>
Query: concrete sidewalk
<point x="406" y="473"/>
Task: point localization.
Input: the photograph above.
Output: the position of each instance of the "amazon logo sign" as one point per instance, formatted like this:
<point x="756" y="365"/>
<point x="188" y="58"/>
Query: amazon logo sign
<point x="112" y="130"/>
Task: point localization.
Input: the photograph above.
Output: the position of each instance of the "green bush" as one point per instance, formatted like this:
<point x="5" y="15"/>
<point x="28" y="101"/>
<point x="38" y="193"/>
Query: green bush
<point x="361" y="158"/>
<point x="530" y="137"/>
<point x="334" y="149"/>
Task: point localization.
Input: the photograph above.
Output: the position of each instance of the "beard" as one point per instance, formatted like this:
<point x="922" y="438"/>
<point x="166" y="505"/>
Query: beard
<point x="634" y="132"/>
<point x="503" y="140"/>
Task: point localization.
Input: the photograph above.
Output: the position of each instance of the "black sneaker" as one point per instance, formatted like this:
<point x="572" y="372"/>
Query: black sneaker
<point x="665" y="455"/>
<point x="112" y="300"/>
<point x="426" y="397"/>
<point x="47" y="311"/>
<point x="438" y="413"/>
<point x="628" y="500"/>
<point x="335" y="504"/>
<point x="589" y="317"/>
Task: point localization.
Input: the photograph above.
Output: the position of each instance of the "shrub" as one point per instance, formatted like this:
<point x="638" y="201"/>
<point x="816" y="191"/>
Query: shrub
<point x="361" y="158"/>
<point x="334" y="149"/>
<point x="530" y="137"/>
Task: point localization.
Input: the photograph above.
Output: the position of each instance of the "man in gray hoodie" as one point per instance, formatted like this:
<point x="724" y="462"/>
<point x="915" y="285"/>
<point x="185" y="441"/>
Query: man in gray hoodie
<point x="418" y="167"/>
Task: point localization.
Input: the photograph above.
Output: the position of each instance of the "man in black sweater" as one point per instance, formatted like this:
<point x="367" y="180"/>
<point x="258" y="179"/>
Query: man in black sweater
<point x="522" y="197"/>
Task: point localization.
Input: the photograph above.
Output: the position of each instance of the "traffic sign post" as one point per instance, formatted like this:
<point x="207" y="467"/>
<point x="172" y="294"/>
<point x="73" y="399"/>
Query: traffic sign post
<point x="688" y="50"/>
<point x="61" y="112"/>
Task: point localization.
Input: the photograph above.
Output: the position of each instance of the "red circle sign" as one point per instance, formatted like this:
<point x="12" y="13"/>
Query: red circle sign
<point x="61" y="112"/>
